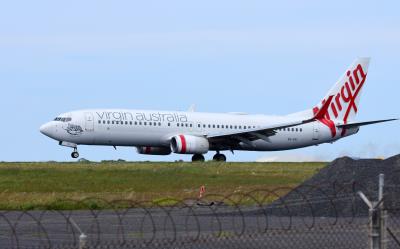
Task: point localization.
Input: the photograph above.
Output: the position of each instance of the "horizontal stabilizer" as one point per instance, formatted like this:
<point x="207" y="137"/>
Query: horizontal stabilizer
<point x="352" y="125"/>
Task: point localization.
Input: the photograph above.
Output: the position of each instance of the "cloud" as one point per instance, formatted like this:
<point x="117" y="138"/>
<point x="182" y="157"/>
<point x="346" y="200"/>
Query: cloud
<point x="292" y="157"/>
<point x="367" y="150"/>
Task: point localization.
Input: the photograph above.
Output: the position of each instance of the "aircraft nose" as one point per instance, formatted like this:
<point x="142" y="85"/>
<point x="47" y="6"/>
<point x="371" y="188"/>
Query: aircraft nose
<point x="46" y="129"/>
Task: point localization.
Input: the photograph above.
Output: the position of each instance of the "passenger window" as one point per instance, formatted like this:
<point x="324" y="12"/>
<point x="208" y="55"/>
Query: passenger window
<point x="130" y="122"/>
<point x="191" y="125"/>
<point x="198" y="125"/>
<point x="297" y="129"/>
<point x="186" y="125"/>
<point x="301" y="129"/>
<point x="140" y="123"/>
<point x="231" y="126"/>
<point x="177" y="124"/>
<point x="159" y="124"/>
<point x="213" y="126"/>
<point x="204" y="126"/>
<point x="209" y="126"/>
<point x="235" y="126"/>
<point x="169" y="124"/>
<point x="144" y="123"/>
<point x="135" y="122"/>
<point x="112" y="122"/>
<point x="240" y="127"/>
<point x="217" y="126"/>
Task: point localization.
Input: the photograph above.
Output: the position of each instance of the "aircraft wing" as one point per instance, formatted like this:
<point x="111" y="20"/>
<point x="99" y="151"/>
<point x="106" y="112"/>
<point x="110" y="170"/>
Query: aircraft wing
<point x="246" y="136"/>
<point x="352" y="125"/>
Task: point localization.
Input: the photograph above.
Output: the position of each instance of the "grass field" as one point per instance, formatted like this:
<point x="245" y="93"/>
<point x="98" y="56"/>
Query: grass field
<point x="48" y="185"/>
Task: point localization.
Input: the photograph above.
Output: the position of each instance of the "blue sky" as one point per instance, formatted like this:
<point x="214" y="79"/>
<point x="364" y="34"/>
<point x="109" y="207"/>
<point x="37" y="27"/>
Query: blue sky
<point x="271" y="57"/>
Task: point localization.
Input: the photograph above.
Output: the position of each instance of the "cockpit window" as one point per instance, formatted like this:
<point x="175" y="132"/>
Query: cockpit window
<point x="62" y="119"/>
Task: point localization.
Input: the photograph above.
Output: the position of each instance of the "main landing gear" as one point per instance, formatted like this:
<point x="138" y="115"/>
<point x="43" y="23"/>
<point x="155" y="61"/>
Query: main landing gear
<point x="198" y="158"/>
<point x="219" y="157"/>
<point x="75" y="153"/>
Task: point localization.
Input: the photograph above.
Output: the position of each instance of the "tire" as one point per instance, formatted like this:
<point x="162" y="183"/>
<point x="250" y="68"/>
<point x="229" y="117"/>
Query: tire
<point x="219" y="158"/>
<point x="198" y="158"/>
<point x="74" y="154"/>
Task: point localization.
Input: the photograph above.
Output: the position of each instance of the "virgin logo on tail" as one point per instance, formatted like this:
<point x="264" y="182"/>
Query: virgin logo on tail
<point x="345" y="99"/>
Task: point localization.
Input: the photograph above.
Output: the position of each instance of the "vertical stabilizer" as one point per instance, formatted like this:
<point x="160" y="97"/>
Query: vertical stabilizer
<point x="347" y="92"/>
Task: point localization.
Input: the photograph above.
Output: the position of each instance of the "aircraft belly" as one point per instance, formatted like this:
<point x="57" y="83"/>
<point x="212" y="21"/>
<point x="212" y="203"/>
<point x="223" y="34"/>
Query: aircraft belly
<point x="124" y="138"/>
<point x="286" y="141"/>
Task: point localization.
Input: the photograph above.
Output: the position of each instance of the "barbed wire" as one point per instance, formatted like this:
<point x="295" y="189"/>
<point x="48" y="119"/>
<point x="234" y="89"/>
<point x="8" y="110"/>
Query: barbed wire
<point x="312" y="212"/>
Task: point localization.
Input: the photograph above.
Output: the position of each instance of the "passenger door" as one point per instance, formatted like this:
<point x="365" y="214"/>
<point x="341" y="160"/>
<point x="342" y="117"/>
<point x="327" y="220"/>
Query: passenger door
<point x="89" y="121"/>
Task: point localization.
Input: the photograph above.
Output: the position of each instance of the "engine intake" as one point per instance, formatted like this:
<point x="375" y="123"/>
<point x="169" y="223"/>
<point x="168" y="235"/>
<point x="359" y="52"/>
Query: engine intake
<point x="162" y="151"/>
<point x="189" y="144"/>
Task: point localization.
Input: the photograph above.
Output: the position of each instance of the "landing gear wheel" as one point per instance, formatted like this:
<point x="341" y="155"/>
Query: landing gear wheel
<point x="75" y="154"/>
<point x="219" y="157"/>
<point x="198" y="158"/>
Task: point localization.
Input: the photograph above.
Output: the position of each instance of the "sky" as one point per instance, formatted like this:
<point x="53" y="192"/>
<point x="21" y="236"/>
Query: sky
<point x="261" y="57"/>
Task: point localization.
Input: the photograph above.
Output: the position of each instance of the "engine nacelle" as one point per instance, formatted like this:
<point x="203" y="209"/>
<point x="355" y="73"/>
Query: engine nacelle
<point x="154" y="150"/>
<point x="188" y="144"/>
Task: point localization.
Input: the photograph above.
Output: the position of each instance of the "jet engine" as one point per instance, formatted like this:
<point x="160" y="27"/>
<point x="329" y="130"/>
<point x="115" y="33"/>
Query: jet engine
<point x="154" y="150"/>
<point x="189" y="144"/>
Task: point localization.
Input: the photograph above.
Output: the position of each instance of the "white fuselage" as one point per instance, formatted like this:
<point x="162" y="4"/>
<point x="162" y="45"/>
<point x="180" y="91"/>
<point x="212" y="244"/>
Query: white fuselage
<point x="163" y="132"/>
<point x="115" y="127"/>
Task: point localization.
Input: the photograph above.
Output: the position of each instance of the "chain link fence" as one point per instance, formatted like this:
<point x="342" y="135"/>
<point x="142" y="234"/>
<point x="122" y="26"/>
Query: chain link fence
<point x="323" y="216"/>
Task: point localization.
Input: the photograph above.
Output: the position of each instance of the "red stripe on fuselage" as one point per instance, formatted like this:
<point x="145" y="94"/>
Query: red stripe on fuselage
<point x="183" y="141"/>
<point x="326" y="121"/>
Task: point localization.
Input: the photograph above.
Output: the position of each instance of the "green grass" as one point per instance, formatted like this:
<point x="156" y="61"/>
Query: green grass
<point x="61" y="185"/>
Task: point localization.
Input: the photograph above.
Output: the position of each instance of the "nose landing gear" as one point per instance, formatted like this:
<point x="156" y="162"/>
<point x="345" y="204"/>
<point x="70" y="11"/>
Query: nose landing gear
<point x="75" y="153"/>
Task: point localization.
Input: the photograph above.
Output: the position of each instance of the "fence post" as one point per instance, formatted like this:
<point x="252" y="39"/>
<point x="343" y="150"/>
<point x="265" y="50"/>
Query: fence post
<point x="382" y="213"/>
<point x="82" y="241"/>
<point x="377" y="218"/>
<point x="374" y="223"/>
<point x="82" y="237"/>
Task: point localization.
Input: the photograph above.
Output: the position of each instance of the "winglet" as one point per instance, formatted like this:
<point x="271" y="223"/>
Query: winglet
<point x="324" y="109"/>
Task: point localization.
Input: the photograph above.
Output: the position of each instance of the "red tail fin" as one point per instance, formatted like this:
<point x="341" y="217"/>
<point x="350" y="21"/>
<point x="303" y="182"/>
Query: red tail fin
<point x="321" y="113"/>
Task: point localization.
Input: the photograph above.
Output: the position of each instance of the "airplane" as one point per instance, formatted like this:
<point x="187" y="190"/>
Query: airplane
<point x="164" y="132"/>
